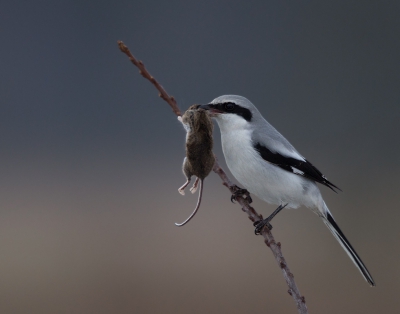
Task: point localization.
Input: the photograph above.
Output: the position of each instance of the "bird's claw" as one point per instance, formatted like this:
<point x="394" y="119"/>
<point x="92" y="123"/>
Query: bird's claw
<point x="260" y="224"/>
<point x="241" y="192"/>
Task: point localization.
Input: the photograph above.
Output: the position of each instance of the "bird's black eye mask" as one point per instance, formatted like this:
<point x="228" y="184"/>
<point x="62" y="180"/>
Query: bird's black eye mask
<point x="230" y="107"/>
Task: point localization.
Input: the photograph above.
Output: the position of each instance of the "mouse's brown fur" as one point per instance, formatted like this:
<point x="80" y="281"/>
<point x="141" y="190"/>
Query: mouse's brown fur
<point x="199" y="159"/>
<point x="199" y="143"/>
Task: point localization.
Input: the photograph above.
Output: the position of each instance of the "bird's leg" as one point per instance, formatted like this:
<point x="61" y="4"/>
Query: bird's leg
<point x="266" y="222"/>
<point x="181" y="189"/>
<point x="193" y="189"/>
<point x="240" y="192"/>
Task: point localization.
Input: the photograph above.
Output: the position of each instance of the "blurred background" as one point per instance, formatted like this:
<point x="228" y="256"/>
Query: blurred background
<point x="91" y="156"/>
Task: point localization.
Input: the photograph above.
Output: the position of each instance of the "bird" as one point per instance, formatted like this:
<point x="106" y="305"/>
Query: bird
<point x="265" y="163"/>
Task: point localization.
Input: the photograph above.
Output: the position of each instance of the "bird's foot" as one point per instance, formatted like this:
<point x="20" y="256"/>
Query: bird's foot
<point x="241" y="192"/>
<point x="266" y="222"/>
<point x="260" y="226"/>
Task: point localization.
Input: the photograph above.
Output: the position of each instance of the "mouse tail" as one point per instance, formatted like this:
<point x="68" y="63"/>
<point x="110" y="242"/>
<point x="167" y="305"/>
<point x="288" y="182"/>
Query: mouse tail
<point x="197" y="206"/>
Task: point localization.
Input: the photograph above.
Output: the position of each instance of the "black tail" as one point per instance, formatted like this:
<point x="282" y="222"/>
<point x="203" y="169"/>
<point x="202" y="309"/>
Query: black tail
<point x="338" y="234"/>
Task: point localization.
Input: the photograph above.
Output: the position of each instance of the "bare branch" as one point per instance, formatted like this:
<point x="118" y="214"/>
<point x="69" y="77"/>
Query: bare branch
<point x="143" y="71"/>
<point x="268" y="239"/>
<point x="253" y="215"/>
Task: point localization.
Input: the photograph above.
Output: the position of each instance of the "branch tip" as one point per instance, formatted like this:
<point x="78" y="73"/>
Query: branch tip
<point x="143" y="71"/>
<point x="122" y="46"/>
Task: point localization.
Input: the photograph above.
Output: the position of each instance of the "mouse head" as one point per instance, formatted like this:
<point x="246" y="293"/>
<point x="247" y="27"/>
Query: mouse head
<point x="191" y="114"/>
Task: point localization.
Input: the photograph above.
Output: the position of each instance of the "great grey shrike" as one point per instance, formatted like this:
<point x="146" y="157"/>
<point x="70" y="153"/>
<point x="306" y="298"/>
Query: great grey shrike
<point x="268" y="166"/>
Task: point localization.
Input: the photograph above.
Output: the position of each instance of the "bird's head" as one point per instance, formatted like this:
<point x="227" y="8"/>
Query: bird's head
<point x="232" y="110"/>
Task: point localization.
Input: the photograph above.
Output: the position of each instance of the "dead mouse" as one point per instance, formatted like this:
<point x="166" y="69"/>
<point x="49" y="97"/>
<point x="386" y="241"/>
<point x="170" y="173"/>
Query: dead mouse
<point x="199" y="159"/>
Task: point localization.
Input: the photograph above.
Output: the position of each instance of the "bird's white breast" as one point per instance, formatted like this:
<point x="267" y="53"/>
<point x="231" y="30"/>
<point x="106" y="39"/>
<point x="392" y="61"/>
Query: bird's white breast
<point x="261" y="178"/>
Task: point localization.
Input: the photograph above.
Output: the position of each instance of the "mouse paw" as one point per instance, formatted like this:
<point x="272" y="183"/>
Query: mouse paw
<point x="181" y="189"/>
<point x="193" y="189"/>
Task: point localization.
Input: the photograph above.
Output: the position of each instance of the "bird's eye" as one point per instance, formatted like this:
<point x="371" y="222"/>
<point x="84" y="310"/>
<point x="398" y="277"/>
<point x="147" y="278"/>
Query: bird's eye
<point x="229" y="106"/>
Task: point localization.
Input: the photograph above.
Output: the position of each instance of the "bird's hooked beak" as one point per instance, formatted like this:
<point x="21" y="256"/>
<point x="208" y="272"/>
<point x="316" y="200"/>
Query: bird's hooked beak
<point x="212" y="109"/>
<point x="205" y="107"/>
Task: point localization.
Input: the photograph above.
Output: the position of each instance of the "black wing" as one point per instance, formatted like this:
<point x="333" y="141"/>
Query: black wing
<point x="299" y="167"/>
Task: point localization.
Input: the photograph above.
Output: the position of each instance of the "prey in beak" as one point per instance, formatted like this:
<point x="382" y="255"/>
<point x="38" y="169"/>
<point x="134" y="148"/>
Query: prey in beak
<point x="212" y="109"/>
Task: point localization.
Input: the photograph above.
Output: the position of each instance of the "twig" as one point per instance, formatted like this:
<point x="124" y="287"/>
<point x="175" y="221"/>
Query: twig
<point x="253" y="215"/>
<point x="269" y="241"/>
<point x="143" y="71"/>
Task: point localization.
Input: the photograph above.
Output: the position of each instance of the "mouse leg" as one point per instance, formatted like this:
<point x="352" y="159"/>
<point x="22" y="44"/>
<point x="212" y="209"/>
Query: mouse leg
<point x="193" y="189"/>
<point x="181" y="189"/>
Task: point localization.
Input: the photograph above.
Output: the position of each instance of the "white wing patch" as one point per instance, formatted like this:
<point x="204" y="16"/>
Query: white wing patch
<point x="297" y="171"/>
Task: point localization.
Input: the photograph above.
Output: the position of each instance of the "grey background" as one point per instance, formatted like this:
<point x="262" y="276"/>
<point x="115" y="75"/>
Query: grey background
<point x="91" y="157"/>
